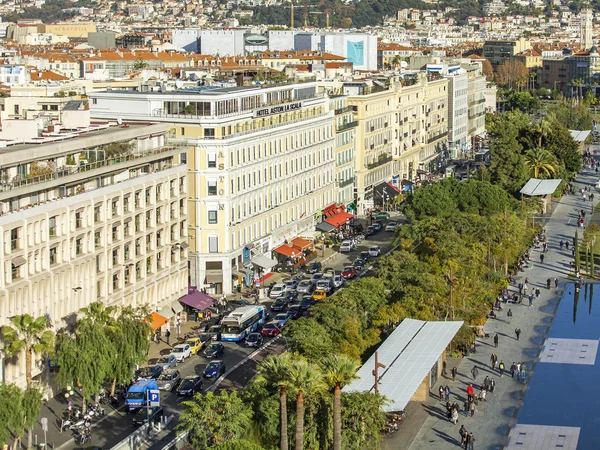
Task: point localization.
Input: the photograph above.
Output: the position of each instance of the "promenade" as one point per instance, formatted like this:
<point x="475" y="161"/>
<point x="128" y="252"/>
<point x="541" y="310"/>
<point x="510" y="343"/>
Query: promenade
<point x="426" y="427"/>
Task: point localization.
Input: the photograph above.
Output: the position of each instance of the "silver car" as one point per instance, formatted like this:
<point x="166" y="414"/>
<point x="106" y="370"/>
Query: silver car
<point x="167" y="362"/>
<point x="169" y="380"/>
<point x="305" y="287"/>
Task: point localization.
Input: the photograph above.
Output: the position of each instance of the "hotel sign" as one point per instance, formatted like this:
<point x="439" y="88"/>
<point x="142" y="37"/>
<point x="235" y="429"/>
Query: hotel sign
<point x="277" y="109"/>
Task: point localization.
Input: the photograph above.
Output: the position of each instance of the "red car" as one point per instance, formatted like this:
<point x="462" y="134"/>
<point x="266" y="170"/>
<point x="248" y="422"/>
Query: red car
<point x="349" y="272"/>
<point x="270" y="330"/>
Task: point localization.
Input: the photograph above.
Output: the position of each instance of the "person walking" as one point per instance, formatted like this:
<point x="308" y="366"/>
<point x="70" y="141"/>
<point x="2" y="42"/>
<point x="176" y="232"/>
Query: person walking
<point x="465" y="441"/>
<point x="531" y="300"/>
<point x="509" y="314"/>
<point x="494" y="361"/>
<point x="501" y="368"/>
<point x="441" y="390"/>
<point x="496" y="340"/>
<point x="537" y="293"/>
<point x="447" y="392"/>
<point x="475" y="372"/>
<point x="462" y="432"/>
<point x="513" y="369"/>
<point x="466" y="405"/>
<point x="561" y="244"/>
<point x="518" y="332"/>
<point x="167" y="336"/>
<point x="472" y="409"/>
<point x="454" y="372"/>
<point x="555" y="283"/>
<point x="470" y="392"/>
<point x="471" y="441"/>
<point x="542" y="258"/>
<point x="492" y="385"/>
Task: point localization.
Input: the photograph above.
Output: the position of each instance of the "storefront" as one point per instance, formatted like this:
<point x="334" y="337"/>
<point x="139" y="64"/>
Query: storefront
<point x="385" y="193"/>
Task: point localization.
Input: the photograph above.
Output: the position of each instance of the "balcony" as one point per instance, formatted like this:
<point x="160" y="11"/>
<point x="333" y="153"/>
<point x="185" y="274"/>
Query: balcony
<point x="345" y="183"/>
<point x="344" y="110"/>
<point x="439" y="136"/>
<point x="346" y="126"/>
<point x="380" y="162"/>
<point x="477" y="102"/>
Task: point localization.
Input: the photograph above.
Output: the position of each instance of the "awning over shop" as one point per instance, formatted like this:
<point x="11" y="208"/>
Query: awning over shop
<point x="301" y="244"/>
<point x="176" y="307"/>
<point x="386" y="192"/>
<point x="325" y="227"/>
<point x="264" y="261"/>
<point x="351" y="207"/>
<point x="197" y="299"/>
<point x="288" y="251"/>
<point x="214" y="276"/>
<point x="157" y="321"/>
<point x="330" y="210"/>
<point x="340" y="219"/>
<point x="166" y="311"/>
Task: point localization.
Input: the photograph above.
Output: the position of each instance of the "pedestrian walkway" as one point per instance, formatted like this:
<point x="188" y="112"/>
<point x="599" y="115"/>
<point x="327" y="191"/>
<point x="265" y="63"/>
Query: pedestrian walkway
<point x="493" y="418"/>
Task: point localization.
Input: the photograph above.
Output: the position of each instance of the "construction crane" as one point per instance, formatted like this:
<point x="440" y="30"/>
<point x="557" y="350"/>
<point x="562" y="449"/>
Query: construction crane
<point x="326" y="16"/>
<point x="291" y="8"/>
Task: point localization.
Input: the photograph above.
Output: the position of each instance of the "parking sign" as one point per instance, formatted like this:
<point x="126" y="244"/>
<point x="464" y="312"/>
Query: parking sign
<point x="154" y="398"/>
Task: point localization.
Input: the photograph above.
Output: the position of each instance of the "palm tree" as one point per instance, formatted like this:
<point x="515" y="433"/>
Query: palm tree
<point x="543" y="127"/>
<point x="304" y="377"/>
<point x="540" y="159"/>
<point x="98" y="313"/>
<point x="338" y="370"/>
<point x="274" y="370"/>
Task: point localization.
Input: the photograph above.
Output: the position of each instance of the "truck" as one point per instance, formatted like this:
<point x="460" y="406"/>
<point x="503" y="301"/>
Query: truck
<point x="137" y="394"/>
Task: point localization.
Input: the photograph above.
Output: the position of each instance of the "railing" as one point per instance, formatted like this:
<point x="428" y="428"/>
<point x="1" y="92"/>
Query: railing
<point x="439" y="136"/>
<point x="346" y="126"/>
<point x="379" y="162"/>
<point x="343" y="110"/>
<point x="476" y="115"/>
<point x="345" y="183"/>
<point x="477" y="102"/>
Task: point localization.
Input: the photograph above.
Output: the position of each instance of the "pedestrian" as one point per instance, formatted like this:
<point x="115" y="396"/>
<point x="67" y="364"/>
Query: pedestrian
<point x="472" y="409"/>
<point x="168" y="335"/>
<point x="470" y="392"/>
<point x="509" y="315"/>
<point x="513" y="369"/>
<point x="474" y="372"/>
<point x="471" y="441"/>
<point x="518" y="371"/>
<point x="462" y="432"/>
<point x="493" y="360"/>
<point x="530" y="299"/>
<point x="454" y="416"/>
<point x="537" y="293"/>
<point x="441" y="393"/>
<point x="518" y="332"/>
<point x="520" y="288"/>
<point x="542" y="258"/>
<point x="555" y="283"/>
<point x="208" y="315"/>
<point x="492" y="385"/>
<point x="465" y="441"/>
<point x="573" y="251"/>
<point x="454" y="372"/>
<point x="466" y="405"/>
<point x="496" y="340"/>
<point x="501" y="368"/>
<point x="561" y="244"/>
<point x="447" y="392"/>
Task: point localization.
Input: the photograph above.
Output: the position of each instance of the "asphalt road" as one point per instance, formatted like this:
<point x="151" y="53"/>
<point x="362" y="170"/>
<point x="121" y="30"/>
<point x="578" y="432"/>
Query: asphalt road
<point x="115" y="427"/>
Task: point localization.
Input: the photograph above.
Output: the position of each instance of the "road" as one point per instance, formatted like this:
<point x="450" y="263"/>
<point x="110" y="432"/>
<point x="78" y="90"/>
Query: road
<point x="117" y="425"/>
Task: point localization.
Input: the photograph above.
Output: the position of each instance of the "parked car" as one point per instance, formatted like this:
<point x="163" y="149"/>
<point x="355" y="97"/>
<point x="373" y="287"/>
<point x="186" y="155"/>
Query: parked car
<point x="330" y="270"/>
<point x="214" y="350"/>
<point x="143" y="415"/>
<point x="305" y="287"/>
<point x="375" y="251"/>
<point x="383" y="215"/>
<point x="315" y="267"/>
<point x="299" y="276"/>
<point x="167" y="361"/>
<point x="270" y="329"/>
<point x="316" y="277"/>
<point x="338" y="281"/>
<point x="371" y="230"/>
<point x="214" y="369"/>
<point x="290" y="296"/>
<point x="346" y="247"/>
<point x="358" y="264"/>
<point x="195" y="345"/>
<point x="150" y="372"/>
<point x="280" y="304"/>
<point x="291" y="284"/>
<point x="277" y="291"/>
<point x="181" y="352"/>
<point x="294" y="312"/>
<point x="169" y="380"/>
<point x="306" y="302"/>
<point x="319" y="294"/>
<point x="254" y="340"/>
<point x="190" y="385"/>
<point x="215" y="332"/>
<point x="391" y="226"/>
<point x="281" y="319"/>
<point x="378" y="226"/>
<point x="325" y="284"/>
<point x="364" y="256"/>
<point x="349" y="272"/>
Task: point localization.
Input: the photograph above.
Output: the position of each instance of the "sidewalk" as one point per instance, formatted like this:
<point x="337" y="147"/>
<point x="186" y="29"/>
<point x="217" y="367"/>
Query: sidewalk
<point x="493" y="418"/>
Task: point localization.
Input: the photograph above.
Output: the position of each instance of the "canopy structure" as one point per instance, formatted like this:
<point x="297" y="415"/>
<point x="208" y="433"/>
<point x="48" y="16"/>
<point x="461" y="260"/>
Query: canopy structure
<point x="264" y="261"/>
<point x="409" y="354"/>
<point x="301" y="244"/>
<point x="536" y="187"/>
<point x="288" y="251"/>
<point x="166" y="311"/>
<point x="157" y="321"/>
<point x="325" y="227"/>
<point x="339" y="219"/>
<point x="579" y="135"/>
<point x="176" y="306"/>
<point x="197" y="300"/>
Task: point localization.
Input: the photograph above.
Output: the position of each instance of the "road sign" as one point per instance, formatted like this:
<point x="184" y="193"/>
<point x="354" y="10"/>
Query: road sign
<point x="153" y="398"/>
<point x="44" y="422"/>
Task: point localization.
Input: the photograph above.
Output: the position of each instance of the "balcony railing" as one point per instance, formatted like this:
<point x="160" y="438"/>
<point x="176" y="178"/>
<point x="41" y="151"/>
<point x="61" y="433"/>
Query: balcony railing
<point x="439" y="136"/>
<point x="345" y="183"/>
<point x="380" y="162"/>
<point x="346" y="126"/>
<point x="344" y="110"/>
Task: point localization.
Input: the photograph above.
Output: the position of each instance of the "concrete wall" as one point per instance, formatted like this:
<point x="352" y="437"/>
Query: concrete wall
<point x="187" y="39"/>
<point x="105" y="39"/>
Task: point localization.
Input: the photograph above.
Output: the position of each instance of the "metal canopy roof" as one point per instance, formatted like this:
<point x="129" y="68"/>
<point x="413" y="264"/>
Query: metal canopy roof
<point x="535" y="187"/>
<point x="409" y="353"/>
<point x="264" y="261"/>
<point x="579" y="136"/>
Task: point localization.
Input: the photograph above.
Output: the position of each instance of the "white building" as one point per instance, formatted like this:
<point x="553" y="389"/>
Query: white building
<point x="358" y="48"/>
<point x="222" y="42"/>
<point x="186" y="39"/>
<point x="458" y="111"/>
<point x="13" y="74"/>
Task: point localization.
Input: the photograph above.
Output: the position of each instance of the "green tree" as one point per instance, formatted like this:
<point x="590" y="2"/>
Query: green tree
<point x="304" y="378"/>
<point x="239" y="444"/>
<point x="338" y="370"/>
<point x="362" y="420"/>
<point x="19" y="411"/>
<point x="309" y="338"/>
<point x="212" y="420"/>
<point x="540" y="159"/>
<point x="542" y="128"/>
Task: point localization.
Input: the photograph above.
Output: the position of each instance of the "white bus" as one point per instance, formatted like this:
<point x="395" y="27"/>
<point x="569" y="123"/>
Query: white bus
<point x="241" y="322"/>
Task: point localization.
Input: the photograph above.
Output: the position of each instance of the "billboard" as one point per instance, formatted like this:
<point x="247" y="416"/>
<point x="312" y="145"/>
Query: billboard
<point x="356" y="52"/>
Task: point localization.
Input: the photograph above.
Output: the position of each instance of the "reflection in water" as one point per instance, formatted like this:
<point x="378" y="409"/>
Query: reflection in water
<point x="591" y="297"/>
<point x="575" y="302"/>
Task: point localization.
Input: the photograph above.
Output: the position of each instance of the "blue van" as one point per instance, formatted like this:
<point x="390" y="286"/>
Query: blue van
<point x="137" y="395"/>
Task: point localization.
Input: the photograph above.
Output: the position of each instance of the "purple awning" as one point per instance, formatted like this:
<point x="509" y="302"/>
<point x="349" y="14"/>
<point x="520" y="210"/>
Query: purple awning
<point x="197" y="299"/>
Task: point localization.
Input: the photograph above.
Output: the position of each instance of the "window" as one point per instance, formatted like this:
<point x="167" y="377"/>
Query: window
<point x="159" y="192"/>
<point x="148" y="219"/>
<point x="212" y="187"/>
<point x="126" y="203"/>
<point x="52" y="226"/>
<point x="15" y="242"/>
<point x="209" y="133"/>
<point x="115" y="281"/>
<point x="213" y="244"/>
<point x="138" y="270"/>
<point x="212" y="217"/>
<point x="115" y="256"/>
<point x="138" y="247"/>
<point x="97" y="212"/>
<point x="148" y="196"/>
<point x="97" y="239"/>
<point x="52" y="255"/>
<point x="127" y="276"/>
<point x="115" y="207"/>
<point x="78" y="246"/>
<point x="115" y="232"/>
<point x="138" y="199"/>
<point x="127" y="252"/>
<point x="138" y="223"/>
<point x="212" y="160"/>
<point x="15" y="271"/>
<point x="78" y="219"/>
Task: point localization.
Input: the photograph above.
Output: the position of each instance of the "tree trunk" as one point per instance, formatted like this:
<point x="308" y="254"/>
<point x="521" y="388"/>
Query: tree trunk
<point x="284" y="423"/>
<point x="300" y="421"/>
<point x="113" y="387"/>
<point x="15" y="445"/>
<point x="337" y="418"/>
<point x="28" y="366"/>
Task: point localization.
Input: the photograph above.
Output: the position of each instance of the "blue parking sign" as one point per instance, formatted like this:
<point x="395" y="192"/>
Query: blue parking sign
<point x="154" y="398"/>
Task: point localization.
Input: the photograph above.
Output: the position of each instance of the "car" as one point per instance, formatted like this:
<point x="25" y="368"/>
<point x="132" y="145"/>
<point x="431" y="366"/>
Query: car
<point x="349" y="272"/>
<point x="391" y="226"/>
<point x="338" y="281"/>
<point x="270" y="329"/>
<point x="346" y="247"/>
<point x="364" y="256"/>
<point x="181" y="351"/>
<point x="281" y="320"/>
<point x="279" y="305"/>
<point x="305" y="287"/>
<point x="330" y="270"/>
<point x="253" y="340"/>
<point x="169" y="380"/>
<point x="190" y="385"/>
<point x="205" y="338"/>
<point x="233" y="304"/>
<point x="299" y="276"/>
<point x="294" y="312"/>
<point x="378" y="226"/>
<point x="215" y="332"/>
<point x="371" y="230"/>
<point x="315" y="267"/>
<point x="195" y="345"/>
<point x="358" y="264"/>
<point x="306" y="302"/>
<point x="277" y="291"/>
<point x="214" y="350"/>
<point x="325" y="284"/>
<point x="291" y="284"/>
<point x="214" y="369"/>
<point x="150" y="372"/>
<point x="375" y="251"/>
<point x="144" y="415"/>
<point x="167" y="361"/>
<point x="316" y="277"/>
<point x="319" y="294"/>
<point x="290" y="296"/>
<point x="383" y="215"/>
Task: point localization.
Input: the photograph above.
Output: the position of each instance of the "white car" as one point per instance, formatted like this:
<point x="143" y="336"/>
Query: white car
<point x="281" y="320"/>
<point x="338" y="281"/>
<point x="391" y="226"/>
<point x="375" y="251"/>
<point x="277" y="291"/>
<point x="181" y="352"/>
<point x="346" y="247"/>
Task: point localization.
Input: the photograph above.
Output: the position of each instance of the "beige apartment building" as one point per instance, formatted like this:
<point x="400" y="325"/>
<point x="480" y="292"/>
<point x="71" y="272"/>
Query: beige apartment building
<point x="94" y="213"/>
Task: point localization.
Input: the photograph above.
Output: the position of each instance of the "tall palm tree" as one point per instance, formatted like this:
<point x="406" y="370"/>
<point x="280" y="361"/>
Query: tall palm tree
<point x="543" y="128"/>
<point x="338" y="370"/>
<point x="274" y="370"/>
<point x="304" y="378"/>
<point x="540" y="159"/>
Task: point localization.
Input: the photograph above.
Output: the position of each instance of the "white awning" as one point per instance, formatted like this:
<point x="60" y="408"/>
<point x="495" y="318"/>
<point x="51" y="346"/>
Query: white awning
<point x="214" y="276"/>
<point x="166" y="311"/>
<point x="408" y="353"/>
<point x="579" y="136"/>
<point x="264" y="261"/>
<point x="536" y="187"/>
<point x="176" y="307"/>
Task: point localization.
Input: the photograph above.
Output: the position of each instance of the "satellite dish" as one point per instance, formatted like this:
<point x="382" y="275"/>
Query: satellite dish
<point x="119" y="121"/>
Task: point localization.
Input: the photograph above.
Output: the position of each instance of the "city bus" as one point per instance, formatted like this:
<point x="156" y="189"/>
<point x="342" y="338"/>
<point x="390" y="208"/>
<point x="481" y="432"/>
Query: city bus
<point x="241" y="322"/>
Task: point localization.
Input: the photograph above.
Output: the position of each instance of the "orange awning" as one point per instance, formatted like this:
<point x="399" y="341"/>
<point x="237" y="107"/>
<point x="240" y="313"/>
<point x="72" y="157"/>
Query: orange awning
<point x="301" y="244"/>
<point x="339" y="219"/>
<point x="157" y="321"/>
<point x="286" y="250"/>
